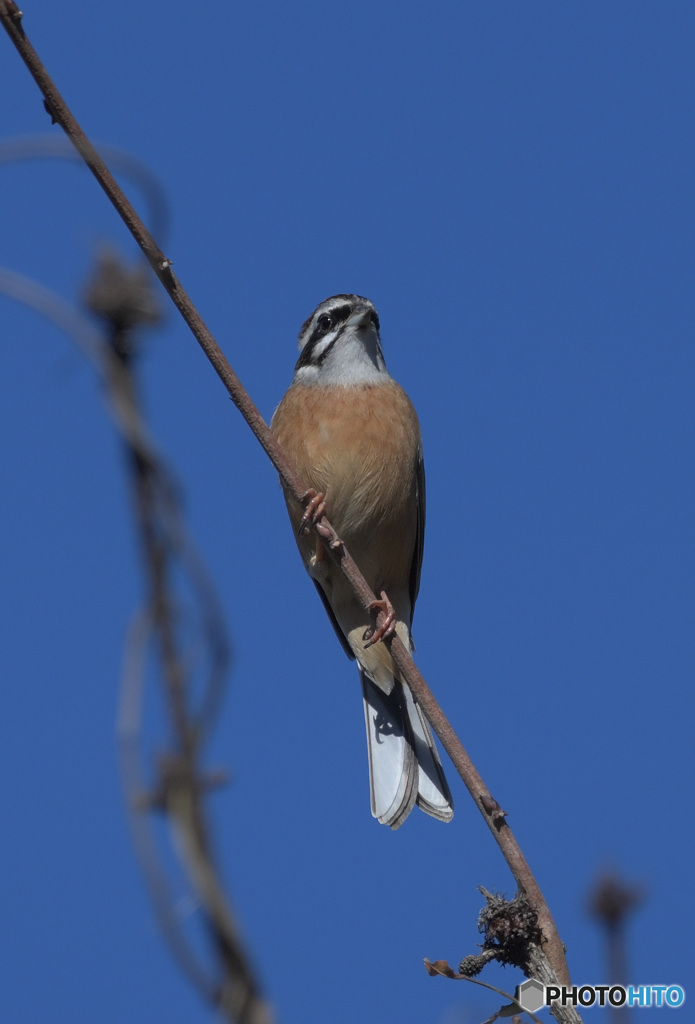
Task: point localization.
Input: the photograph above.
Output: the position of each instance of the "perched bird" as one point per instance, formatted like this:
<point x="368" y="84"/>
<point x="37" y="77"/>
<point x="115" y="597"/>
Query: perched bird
<point x="352" y="434"/>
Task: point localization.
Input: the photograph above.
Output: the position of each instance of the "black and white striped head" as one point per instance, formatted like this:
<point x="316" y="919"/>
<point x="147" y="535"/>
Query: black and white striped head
<point x="340" y="344"/>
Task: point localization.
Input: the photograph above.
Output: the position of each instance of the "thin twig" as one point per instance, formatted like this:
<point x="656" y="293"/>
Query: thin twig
<point x="492" y="814"/>
<point x="442" y="968"/>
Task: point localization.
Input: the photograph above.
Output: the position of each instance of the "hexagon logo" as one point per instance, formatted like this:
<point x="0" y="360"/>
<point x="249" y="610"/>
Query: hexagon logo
<point x="531" y="995"/>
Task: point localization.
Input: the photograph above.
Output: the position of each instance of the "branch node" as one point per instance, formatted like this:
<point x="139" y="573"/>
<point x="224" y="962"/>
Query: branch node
<point x="15" y="13"/>
<point x="49" y="109"/>
<point x="493" y="810"/>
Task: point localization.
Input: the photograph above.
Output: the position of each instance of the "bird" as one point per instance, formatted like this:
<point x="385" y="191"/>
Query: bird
<point x="353" y="436"/>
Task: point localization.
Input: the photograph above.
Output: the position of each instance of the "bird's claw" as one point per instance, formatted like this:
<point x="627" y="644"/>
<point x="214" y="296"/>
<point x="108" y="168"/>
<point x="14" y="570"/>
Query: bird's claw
<point x="373" y="634"/>
<point x="314" y="510"/>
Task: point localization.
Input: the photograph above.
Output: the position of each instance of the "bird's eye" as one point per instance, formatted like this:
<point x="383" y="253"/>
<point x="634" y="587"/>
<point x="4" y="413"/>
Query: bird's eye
<point x="324" y="322"/>
<point x="375" y="319"/>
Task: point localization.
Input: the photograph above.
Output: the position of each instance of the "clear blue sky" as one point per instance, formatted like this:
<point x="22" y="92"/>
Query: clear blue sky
<point x="512" y="185"/>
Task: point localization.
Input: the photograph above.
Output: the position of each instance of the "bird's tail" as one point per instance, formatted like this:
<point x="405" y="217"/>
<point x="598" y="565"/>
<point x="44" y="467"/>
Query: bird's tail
<point x="404" y="766"/>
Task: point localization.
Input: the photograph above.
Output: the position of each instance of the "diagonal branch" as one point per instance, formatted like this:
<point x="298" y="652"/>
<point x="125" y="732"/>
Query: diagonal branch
<point x="494" y="816"/>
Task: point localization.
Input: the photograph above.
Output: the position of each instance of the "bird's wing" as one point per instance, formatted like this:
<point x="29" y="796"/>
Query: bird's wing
<point x="416" y="564"/>
<point x="331" y="615"/>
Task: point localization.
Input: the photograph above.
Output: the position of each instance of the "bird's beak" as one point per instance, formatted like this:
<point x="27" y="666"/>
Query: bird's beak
<point x="361" y="319"/>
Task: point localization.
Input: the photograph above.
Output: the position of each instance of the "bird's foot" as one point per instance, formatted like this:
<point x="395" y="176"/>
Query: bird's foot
<point x="373" y="634"/>
<point x="314" y="503"/>
<point x="314" y="510"/>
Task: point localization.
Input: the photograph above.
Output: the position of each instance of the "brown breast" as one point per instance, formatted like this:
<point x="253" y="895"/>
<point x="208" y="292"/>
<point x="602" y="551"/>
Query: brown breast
<point x="360" y="446"/>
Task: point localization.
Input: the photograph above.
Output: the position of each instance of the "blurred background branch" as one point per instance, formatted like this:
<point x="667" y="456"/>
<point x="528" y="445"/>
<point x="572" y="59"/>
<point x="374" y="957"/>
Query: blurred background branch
<point x="52" y="147"/>
<point x="182" y="627"/>
<point x="610" y="903"/>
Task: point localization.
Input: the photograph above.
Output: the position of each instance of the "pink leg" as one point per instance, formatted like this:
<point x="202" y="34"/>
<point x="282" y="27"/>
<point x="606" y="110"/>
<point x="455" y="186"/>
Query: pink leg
<point x="314" y="510"/>
<point x="372" y="635"/>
